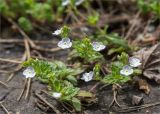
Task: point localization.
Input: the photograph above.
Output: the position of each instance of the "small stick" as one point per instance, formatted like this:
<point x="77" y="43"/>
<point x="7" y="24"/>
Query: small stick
<point x="28" y="88"/>
<point x="103" y="87"/>
<point x="22" y="92"/>
<point x="46" y="102"/>
<point x="92" y="89"/>
<point x="10" y="77"/>
<point x="128" y="109"/>
<point x="32" y="44"/>
<point x="4" y="84"/>
<point x="21" y="41"/>
<point x="11" y="61"/>
<point x="28" y="57"/>
<point x="3" y="71"/>
<point x="114" y="88"/>
<point x="60" y="101"/>
<point x="67" y="107"/>
<point x="5" y="109"/>
<point x="132" y="26"/>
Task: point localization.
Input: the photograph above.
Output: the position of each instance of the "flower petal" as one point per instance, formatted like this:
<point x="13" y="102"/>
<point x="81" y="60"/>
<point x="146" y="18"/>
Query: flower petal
<point x="29" y="72"/>
<point x="87" y="76"/>
<point x="126" y="70"/>
<point x="98" y="46"/>
<point x="65" y="43"/>
<point x="134" y="62"/>
<point x="56" y="95"/>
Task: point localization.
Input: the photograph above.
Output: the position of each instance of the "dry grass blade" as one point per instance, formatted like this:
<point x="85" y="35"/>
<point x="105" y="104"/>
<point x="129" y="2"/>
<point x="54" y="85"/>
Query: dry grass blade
<point x="11" y="61"/>
<point x="135" y="108"/>
<point x="4" y="84"/>
<point x="22" y="92"/>
<point x="5" y="109"/>
<point x="46" y="102"/>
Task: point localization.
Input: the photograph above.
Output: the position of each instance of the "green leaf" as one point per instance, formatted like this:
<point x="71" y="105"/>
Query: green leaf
<point x="93" y="19"/>
<point x="76" y="103"/>
<point x="48" y="71"/>
<point x="116" y="50"/>
<point x="72" y="79"/>
<point x="85" y="50"/>
<point x="123" y="58"/>
<point x="116" y="40"/>
<point x="96" y="71"/>
<point x="25" y="24"/>
<point x="65" y="31"/>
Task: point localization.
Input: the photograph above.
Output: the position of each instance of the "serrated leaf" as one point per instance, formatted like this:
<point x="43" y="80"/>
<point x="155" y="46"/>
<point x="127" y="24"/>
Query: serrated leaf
<point x="72" y="79"/>
<point x="76" y="103"/>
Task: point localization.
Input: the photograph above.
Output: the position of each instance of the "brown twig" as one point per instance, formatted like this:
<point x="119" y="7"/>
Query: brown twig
<point x="28" y="88"/>
<point x="129" y="109"/>
<point x="3" y="71"/>
<point x="22" y="92"/>
<point x="22" y="41"/>
<point x="93" y="88"/>
<point x="4" y="84"/>
<point x="28" y="57"/>
<point x="32" y="44"/>
<point x="10" y="77"/>
<point x="11" y="61"/>
<point x="46" y="102"/>
<point x="60" y="102"/>
<point x="132" y="26"/>
<point x="67" y="107"/>
<point x="114" y="88"/>
<point x="5" y="109"/>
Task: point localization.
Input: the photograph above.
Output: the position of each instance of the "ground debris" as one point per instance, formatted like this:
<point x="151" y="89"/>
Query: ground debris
<point x="143" y="85"/>
<point x="136" y="100"/>
<point x="151" y="62"/>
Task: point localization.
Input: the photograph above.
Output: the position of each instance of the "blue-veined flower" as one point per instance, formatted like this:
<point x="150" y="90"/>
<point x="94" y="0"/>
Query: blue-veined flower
<point x="29" y="72"/>
<point x="57" y="32"/>
<point x="56" y="95"/>
<point x="98" y="46"/>
<point x="126" y="70"/>
<point x="87" y="76"/>
<point x="134" y="62"/>
<point x="65" y="43"/>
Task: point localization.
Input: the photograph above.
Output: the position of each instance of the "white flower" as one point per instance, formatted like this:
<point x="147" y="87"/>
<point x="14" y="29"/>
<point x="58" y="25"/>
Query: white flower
<point x="56" y="95"/>
<point x="57" y="32"/>
<point x="87" y="76"/>
<point x="98" y="46"/>
<point x="126" y="70"/>
<point x="65" y="43"/>
<point x="29" y="72"/>
<point x="65" y="2"/>
<point x="134" y="62"/>
<point x="78" y="2"/>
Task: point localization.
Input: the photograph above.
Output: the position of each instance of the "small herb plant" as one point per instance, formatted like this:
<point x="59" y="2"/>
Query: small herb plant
<point x="62" y="80"/>
<point x="122" y="69"/>
<point x="113" y="40"/>
<point x="83" y="48"/>
<point x="152" y="6"/>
